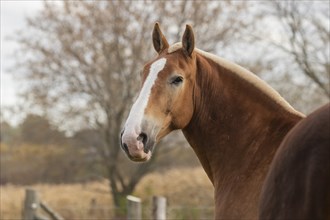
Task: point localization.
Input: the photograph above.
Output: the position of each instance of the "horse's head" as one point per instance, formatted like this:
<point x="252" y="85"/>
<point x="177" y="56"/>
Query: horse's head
<point x="165" y="101"/>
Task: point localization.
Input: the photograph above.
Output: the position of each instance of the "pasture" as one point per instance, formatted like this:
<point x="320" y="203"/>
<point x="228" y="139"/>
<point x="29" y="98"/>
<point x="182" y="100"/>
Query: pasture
<point x="188" y="196"/>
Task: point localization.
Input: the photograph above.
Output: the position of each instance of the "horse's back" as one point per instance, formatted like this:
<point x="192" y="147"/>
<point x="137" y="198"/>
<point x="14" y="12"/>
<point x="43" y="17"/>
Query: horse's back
<point x="298" y="183"/>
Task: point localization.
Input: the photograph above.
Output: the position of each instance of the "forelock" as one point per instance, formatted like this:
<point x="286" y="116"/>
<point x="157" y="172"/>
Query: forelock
<point x="175" y="47"/>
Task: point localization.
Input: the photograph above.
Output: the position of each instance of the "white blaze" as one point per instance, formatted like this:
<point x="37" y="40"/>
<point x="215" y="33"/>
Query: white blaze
<point x="134" y="120"/>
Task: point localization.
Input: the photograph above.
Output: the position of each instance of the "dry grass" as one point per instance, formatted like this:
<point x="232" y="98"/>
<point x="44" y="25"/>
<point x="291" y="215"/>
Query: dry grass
<point x="183" y="188"/>
<point x="71" y="200"/>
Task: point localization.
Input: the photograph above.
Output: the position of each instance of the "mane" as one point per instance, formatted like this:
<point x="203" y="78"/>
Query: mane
<point x="244" y="74"/>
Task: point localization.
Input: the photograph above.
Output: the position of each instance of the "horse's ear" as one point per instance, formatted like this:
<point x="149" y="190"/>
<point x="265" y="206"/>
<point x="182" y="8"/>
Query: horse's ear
<point x="158" y="39"/>
<point x="188" y="40"/>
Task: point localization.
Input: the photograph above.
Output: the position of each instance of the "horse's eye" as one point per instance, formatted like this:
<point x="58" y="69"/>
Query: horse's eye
<point x="177" y="80"/>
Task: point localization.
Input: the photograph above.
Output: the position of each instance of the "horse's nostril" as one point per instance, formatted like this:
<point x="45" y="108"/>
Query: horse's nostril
<point x="143" y="138"/>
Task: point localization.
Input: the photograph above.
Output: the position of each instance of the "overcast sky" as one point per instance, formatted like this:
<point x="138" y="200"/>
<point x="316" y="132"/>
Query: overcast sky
<point x="13" y="14"/>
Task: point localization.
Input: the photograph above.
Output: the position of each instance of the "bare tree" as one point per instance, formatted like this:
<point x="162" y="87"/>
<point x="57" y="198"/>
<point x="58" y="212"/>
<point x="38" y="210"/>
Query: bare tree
<point x="49" y="135"/>
<point x="80" y="63"/>
<point x="83" y="66"/>
<point x="218" y="24"/>
<point x="307" y="29"/>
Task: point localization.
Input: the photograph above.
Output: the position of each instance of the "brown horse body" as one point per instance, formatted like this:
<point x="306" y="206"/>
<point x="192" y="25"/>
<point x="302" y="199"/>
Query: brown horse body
<point x="233" y="120"/>
<point x="298" y="183"/>
<point x="235" y="131"/>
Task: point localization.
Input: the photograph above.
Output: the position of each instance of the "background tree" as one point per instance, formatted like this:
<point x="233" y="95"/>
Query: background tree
<point x="295" y="41"/>
<point x="308" y="33"/>
<point x="36" y="129"/>
<point x="80" y="63"/>
<point x="8" y="133"/>
<point x="35" y="151"/>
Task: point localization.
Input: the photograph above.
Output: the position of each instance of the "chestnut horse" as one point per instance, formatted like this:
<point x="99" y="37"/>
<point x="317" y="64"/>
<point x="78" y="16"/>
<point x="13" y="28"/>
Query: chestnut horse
<point x="233" y="120"/>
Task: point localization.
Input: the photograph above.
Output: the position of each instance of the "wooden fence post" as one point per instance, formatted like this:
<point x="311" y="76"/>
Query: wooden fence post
<point x="50" y="211"/>
<point x="31" y="204"/>
<point x="158" y="208"/>
<point x="134" y="210"/>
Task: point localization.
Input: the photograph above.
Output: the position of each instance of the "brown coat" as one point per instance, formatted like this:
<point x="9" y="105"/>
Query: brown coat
<point x="298" y="184"/>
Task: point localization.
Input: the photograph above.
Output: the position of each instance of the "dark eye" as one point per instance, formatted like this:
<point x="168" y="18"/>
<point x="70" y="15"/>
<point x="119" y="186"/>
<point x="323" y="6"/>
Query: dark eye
<point x="176" y="80"/>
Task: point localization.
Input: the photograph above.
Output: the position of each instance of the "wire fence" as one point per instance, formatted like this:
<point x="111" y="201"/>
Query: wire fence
<point x="106" y="213"/>
<point x="36" y="209"/>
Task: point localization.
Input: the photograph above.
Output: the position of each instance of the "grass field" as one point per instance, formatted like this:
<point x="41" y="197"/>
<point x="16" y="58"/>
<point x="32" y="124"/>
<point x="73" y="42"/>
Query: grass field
<point x="189" y="195"/>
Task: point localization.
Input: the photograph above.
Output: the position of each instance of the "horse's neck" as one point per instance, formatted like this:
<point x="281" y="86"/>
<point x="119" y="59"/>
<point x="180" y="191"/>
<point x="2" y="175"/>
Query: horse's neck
<point x="235" y="131"/>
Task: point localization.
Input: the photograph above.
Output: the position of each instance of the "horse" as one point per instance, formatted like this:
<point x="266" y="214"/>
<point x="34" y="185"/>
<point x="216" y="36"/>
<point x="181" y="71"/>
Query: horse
<point x="298" y="183"/>
<point x="232" y="119"/>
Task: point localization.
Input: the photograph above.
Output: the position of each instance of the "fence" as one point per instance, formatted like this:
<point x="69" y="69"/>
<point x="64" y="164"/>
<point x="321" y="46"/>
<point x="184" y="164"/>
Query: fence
<point x="34" y="206"/>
